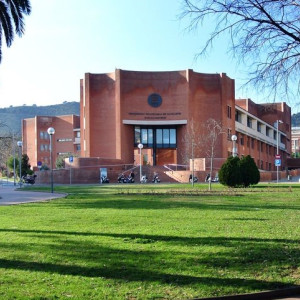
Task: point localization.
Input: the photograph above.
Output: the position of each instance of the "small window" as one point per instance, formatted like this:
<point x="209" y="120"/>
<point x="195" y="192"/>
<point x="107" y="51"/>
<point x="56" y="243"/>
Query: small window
<point x="238" y="116"/>
<point x="249" y="122"/>
<point x="78" y="148"/>
<point x="242" y="139"/>
<point x="228" y="112"/>
<point x="259" y="126"/>
<point x="229" y="134"/>
<point x="268" y="130"/>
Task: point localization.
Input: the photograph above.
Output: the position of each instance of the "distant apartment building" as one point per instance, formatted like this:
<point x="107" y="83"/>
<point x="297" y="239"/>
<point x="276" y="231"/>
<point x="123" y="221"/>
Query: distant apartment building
<point x="36" y="142"/>
<point x="296" y="141"/>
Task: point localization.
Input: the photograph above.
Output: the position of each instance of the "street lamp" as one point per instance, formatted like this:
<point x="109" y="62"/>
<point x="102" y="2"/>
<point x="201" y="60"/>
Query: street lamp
<point x="20" y="144"/>
<point x="234" y="150"/>
<point x="277" y="148"/>
<point x="51" y="131"/>
<point x="140" y="146"/>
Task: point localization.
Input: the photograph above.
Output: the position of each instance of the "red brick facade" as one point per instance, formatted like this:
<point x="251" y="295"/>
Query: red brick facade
<point x="36" y="142"/>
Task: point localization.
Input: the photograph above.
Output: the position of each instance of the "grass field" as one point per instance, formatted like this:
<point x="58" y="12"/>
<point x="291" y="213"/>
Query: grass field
<point x="151" y="242"/>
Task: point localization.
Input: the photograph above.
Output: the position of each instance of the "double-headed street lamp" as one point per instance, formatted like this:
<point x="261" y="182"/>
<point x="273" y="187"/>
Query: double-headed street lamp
<point x="20" y="144"/>
<point x="51" y="131"/>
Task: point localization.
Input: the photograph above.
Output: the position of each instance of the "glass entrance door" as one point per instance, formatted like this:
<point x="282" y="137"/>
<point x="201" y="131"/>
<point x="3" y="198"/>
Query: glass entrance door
<point x="161" y="139"/>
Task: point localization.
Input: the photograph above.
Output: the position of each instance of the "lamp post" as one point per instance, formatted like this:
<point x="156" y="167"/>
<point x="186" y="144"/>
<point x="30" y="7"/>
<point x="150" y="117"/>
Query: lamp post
<point x="193" y="163"/>
<point x="234" y="150"/>
<point x="140" y="146"/>
<point x="277" y="148"/>
<point x="20" y="144"/>
<point x="51" y="131"/>
<point x="14" y="154"/>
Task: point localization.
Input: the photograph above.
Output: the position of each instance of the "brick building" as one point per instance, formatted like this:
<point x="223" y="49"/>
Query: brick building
<point x="158" y="109"/>
<point x="36" y="142"/>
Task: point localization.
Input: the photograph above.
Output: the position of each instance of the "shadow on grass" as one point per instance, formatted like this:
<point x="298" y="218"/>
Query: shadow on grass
<point x="240" y="259"/>
<point x="169" y="202"/>
<point x="130" y="274"/>
<point x="211" y="241"/>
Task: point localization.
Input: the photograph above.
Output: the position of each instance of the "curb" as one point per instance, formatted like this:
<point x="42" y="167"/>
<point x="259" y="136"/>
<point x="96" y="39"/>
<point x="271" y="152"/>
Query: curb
<point x="266" y="295"/>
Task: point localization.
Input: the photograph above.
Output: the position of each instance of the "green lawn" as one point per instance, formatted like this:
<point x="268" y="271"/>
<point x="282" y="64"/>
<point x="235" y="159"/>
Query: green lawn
<point x="151" y="242"/>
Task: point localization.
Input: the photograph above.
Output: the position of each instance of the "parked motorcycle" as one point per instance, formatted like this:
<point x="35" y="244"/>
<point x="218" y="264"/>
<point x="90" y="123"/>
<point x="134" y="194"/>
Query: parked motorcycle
<point x="155" y="178"/>
<point x="144" y="179"/>
<point x="125" y="179"/>
<point x="104" y="179"/>
<point x="191" y="178"/>
<point x="30" y="179"/>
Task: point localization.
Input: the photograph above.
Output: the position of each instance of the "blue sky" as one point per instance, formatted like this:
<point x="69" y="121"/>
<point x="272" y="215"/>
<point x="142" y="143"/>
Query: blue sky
<point x="65" y="39"/>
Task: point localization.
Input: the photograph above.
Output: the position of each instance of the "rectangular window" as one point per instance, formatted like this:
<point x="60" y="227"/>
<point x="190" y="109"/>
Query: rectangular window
<point x="242" y="139"/>
<point x="229" y="134"/>
<point x="166" y="138"/>
<point x="261" y="164"/>
<point x="137" y="134"/>
<point x="259" y="126"/>
<point x="252" y="143"/>
<point x="42" y="148"/>
<point x="172" y="138"/>
<point x="78" y="134"/>
<point x="78" y="148"/>
<point x="261" y="146"/>
<point x="228" y="112"/>
<point x="159" y="138"/>
<point x="249" y="122"/>
<point x="238" y="116"/>
<point x="150" y="137"/>
<point x="258" y="145"/>
<point x="144" y="136"/>
<point x="41" y="135"/>
<point x="268" y="130"/>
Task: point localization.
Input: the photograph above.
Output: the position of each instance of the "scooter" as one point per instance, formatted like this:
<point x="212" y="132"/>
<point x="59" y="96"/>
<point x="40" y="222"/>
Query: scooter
<point x="125" y="179"/>
<point x="144" y="179"/>
<point x="155" y="178"/>
<point x="104" y="179"/>
<point x="30" y="179"/>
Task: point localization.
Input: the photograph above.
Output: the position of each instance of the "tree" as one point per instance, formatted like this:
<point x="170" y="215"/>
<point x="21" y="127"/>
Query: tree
<point x="25" y="166"/>
<point x="263" y="34"/>
<point x="229" y="173"/>
<point x="237" y="172"/>
<point x="12" y="19"/>
<point x="249" y="171"/>
<point x="212" y="130"/>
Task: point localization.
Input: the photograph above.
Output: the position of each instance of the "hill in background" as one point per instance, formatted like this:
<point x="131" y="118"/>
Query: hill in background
<point x="12" y="116"/>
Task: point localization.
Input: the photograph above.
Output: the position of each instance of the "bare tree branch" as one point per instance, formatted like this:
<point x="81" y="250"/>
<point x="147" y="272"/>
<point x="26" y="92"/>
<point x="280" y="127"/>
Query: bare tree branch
<point x="264" y="36"/>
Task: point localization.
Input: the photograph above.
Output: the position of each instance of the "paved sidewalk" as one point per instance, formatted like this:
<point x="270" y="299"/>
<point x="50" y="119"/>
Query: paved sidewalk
<point x="9" y="195"/>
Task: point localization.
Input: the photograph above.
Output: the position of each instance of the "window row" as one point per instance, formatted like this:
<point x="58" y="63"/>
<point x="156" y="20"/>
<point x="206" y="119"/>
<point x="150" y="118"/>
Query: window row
<point x="250" y="123"/>
<point x="250" y="142"/>
<point x="44" y="135"/>
<point x="155" y="137"/>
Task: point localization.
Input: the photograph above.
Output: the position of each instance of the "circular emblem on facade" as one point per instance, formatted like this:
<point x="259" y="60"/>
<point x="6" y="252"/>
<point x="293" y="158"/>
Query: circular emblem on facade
<point x="154" y="100"/>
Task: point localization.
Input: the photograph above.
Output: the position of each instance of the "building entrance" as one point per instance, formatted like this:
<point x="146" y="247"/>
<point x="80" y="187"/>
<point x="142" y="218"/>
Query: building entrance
<point x="159" y="144"/>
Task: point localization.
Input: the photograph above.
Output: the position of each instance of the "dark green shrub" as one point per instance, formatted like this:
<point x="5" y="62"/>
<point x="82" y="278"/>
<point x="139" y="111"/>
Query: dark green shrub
<point x="229" y="173"/>
<point x="249" y="171"/>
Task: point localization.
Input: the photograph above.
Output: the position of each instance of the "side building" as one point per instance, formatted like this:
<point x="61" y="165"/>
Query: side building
<point x="36" y="142"/>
